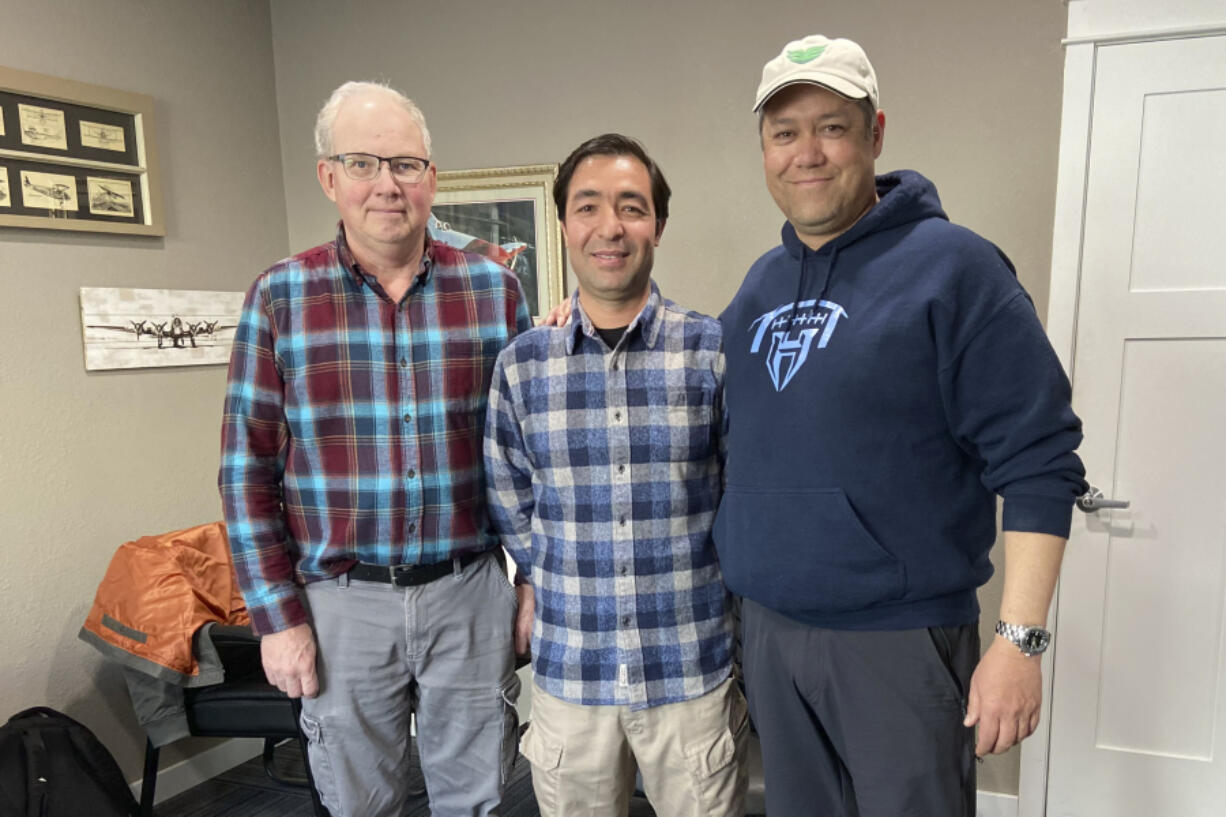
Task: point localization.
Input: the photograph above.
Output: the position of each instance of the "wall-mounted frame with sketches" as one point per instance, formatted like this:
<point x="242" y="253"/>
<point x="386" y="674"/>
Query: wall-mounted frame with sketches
<point x="508" y="214"/>
<point x="75" y="156"/>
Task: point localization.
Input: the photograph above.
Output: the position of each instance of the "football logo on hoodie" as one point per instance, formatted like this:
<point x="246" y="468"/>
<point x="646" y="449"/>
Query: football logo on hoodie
<point x="792" y="328"/>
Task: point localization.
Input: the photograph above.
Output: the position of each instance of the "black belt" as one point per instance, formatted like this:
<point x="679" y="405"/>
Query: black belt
<point x="410" y="575"/>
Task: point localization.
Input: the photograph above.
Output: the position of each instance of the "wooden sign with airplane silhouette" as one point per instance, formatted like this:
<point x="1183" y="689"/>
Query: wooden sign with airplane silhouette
<point x="139" y="328"/>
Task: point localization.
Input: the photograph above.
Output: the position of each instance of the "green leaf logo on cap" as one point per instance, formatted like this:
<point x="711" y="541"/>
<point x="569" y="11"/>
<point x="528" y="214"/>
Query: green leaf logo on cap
<point x="801" y="56"/>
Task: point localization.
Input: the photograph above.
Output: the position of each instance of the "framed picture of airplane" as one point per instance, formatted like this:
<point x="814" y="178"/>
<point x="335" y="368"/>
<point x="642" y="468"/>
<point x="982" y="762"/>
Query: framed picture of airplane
<point x="508" y="214"/>
<point x="76" y="156"/>
<point x="142" y="328"/>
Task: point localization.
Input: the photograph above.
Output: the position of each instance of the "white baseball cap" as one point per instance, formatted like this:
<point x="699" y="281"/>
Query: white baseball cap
<point x="840" y="65"/>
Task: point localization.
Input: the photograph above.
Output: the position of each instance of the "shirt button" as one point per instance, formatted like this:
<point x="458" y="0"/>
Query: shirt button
<point x="411" y="473"/>
<point x="622" y="521"/>
<point x="626" y="621"/>
<point x="408" y="418"/>
<point x="624" y="570"/>
<point x="621" y="469"/>
<point x="412" y="527"/>
<point x="617" y="415"/>
<point x="404" y="363"/>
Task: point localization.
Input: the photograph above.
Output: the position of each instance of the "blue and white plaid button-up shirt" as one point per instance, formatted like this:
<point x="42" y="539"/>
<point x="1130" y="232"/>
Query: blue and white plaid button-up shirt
<point x="603" y="469"/>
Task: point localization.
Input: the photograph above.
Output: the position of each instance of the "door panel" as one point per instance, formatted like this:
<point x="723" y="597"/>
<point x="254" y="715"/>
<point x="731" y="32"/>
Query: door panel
<point x="1165" y="569"/>
<point x="1181" y="149"/>
<point x="1137" y="723"/>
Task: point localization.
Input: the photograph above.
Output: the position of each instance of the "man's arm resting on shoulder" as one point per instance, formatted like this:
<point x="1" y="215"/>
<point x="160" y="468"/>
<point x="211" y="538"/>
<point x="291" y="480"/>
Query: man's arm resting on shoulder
<point x="559" y="315"/>
<point x="1007" y="687"/>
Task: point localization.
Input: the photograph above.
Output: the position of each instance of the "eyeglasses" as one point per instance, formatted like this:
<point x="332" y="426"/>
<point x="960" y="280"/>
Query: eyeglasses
<point x="362" y="167"/>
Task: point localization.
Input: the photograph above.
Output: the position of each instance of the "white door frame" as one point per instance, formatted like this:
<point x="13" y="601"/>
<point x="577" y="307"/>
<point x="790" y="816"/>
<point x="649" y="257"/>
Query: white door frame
<point x="1067" y="237"/>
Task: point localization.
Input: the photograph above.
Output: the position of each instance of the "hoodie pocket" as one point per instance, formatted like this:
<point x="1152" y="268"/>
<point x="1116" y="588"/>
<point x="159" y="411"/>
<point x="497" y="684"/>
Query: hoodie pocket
<point x="803" y="551"/>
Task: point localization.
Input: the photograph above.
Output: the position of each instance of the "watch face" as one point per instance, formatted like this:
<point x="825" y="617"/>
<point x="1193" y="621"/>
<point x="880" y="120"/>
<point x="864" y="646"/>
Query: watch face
<point x="1035" y="640"/>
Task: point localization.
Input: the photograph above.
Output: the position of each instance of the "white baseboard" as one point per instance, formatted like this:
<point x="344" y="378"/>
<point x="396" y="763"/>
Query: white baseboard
<point x="991" y="804"/>
<point x="198" y="768"/>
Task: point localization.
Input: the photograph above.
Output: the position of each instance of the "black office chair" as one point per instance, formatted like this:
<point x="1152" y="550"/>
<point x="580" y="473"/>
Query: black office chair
<point x="245" y="705"/>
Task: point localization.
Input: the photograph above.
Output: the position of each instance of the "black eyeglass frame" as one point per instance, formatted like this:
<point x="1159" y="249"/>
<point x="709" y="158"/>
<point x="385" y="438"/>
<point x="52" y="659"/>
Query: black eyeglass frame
<point x="340" y="157"/>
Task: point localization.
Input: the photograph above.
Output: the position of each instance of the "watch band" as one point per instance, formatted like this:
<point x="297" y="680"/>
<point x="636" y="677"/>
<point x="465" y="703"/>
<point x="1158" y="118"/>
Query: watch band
<point x="1030" y="640"/>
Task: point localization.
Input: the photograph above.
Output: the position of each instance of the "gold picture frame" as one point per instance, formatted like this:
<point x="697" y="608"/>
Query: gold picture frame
<point x="75" y="156"/>
<point x="506" y="213"/>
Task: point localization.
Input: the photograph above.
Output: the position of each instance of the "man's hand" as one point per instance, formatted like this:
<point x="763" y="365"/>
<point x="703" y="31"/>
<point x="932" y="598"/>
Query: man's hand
<point x="1005" y="697"/>
<point x="523" y="619"/>
<point x="558" y="316"/>
<point x="289" y="661"/>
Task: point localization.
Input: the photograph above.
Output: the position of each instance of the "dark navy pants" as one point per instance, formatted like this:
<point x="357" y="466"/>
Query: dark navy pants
<point x="861" y="723"/>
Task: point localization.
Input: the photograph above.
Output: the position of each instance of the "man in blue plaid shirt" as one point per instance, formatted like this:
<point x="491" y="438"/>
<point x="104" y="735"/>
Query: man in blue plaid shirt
<point x="603" y="463"/>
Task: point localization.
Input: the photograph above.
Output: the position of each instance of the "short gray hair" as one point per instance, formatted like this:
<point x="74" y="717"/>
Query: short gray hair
<point x="326" y="119"/>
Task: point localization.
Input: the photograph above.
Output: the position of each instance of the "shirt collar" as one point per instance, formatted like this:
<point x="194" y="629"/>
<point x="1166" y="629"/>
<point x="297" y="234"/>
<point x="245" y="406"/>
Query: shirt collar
<point x="361" y="278"/>
<point x="648" y="321"/>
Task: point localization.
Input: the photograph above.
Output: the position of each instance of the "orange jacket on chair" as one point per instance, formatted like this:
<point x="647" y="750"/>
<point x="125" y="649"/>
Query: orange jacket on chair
<point x="157" y="592"/>
<point x="152" y="615"/>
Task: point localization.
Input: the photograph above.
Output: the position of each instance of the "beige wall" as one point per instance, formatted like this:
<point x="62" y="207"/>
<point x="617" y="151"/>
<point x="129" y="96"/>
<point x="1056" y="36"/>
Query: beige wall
<point x="88" y="461"/>
<point x="971" y="92"/>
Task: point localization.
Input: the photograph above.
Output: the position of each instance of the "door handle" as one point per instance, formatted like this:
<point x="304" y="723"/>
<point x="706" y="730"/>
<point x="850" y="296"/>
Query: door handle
<point x="1093" y="500"/>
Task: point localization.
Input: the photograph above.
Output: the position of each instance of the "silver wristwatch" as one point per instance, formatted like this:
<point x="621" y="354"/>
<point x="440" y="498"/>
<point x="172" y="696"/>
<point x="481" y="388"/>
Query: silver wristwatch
<point x="1030" y="640"/>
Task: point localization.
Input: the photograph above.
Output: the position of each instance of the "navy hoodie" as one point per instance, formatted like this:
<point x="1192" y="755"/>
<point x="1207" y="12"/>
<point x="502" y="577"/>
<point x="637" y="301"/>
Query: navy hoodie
<point x="880" y="392"/>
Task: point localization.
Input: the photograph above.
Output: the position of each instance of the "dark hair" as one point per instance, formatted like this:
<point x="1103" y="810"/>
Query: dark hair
<point x="612" y="144"/>
<point x="870" y="116"/>
<point x="864" y="105"/>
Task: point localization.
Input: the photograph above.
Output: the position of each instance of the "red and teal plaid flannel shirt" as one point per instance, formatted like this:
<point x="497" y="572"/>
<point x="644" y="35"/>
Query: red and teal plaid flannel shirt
<point x="353" y="425"/>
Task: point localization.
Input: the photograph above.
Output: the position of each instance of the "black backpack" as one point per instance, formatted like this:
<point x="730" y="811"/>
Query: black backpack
<point x="52" y="766"/>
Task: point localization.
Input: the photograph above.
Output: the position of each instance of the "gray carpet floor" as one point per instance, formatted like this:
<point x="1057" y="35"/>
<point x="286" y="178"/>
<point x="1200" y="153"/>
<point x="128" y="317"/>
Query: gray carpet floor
<point x="245" y="791"/>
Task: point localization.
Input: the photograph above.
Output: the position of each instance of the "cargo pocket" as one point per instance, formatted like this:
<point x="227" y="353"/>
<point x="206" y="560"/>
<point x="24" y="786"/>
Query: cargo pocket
<point x="711" y="768"/>
<point x="321" y="763"/>
<point x="546" y="759"/>
<point x="712" y="758"/>
<point x="718" y="768"/>
<point x="510" y="726"/>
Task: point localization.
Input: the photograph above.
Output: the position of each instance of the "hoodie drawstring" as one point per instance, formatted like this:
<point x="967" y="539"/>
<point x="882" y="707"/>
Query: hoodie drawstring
<point x="821" y="295"/>
<point x="800" y="288"/>
<point x="800" y="284"/>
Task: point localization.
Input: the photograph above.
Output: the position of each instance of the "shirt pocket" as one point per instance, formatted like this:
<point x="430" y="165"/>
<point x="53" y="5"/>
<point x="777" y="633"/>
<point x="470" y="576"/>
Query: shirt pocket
<point x="687" y="433"/>
<point x="466" y="366"/>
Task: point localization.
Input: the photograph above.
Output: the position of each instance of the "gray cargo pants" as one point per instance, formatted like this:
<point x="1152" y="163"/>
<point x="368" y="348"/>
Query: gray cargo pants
<point x="452" y="637"/>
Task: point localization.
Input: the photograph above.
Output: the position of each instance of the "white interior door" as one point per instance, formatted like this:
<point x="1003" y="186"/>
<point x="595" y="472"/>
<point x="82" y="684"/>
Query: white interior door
<point x="1138" y="709"/>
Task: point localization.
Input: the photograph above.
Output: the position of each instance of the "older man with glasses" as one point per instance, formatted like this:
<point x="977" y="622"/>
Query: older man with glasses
<point x="352" y="482"/>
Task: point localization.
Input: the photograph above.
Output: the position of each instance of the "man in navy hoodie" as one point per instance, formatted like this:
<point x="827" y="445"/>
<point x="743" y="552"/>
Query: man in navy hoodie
<point x="887" y="378"/>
